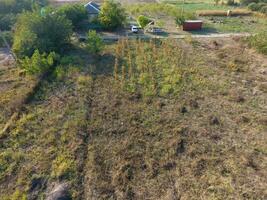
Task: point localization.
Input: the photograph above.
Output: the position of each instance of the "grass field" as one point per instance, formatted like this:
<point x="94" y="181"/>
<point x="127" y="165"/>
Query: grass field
<point x="197" y="133"/>
<point x="190" y="5"/>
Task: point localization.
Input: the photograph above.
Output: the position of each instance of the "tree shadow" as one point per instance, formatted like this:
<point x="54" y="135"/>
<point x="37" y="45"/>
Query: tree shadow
<point x="204" y="31"/>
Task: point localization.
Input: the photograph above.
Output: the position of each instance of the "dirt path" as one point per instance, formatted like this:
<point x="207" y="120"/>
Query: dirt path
<point x="213" y="35"/>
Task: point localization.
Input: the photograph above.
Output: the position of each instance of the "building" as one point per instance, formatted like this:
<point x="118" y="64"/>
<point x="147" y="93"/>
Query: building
<point x="93" y="10"/>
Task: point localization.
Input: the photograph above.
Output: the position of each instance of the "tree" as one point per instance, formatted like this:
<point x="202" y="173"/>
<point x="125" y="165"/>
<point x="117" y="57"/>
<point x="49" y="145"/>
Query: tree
<point x="17" y="6"/>
<point x="112" y="15"/>
<point x="95" y="43"/>
<point x="38" y="63"/>
<point x="46" y="33"/>
<point x="143" y="21"/>
<point x="76" y="13"/>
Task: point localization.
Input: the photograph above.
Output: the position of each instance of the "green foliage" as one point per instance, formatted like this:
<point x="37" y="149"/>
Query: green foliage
<point x="143" y="21"/>
<point x="8" y="36"/>
<point x="76" y="13"/>
<point x="112" y="15"/>
<point x="260" y="7"/>
<point x="17" y="6"/>
<point x="63" y="166"/>
<point x="259" y="42"/>
<point x="156" y="9"/>
<point x="231" y="3"/>
<point x="153" y="69"/>
<point x="247" y="2"/>
<point x="19" y="195"/>
<point x="95" y="43"/>
<point x="36" y="32"/>
<point x="180" y="20"/>
<point x="7" y="21"/>
<point x="38" y="63"/>
<point x="264" y="9"/>
<point x="254" y="6"/>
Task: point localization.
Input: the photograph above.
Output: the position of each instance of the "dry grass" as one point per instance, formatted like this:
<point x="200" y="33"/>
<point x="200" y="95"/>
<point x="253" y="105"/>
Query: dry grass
<point x="203" y="144"/>
<point x="236" y="12"/>
<point x="109" y="143"/>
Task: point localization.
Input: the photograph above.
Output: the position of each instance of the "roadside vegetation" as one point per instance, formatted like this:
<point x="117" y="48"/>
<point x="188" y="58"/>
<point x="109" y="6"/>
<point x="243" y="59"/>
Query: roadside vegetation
<point x="259" y="42"/>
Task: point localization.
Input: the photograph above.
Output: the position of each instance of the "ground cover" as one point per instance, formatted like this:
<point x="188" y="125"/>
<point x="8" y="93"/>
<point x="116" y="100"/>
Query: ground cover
<point x="118" y="126"/>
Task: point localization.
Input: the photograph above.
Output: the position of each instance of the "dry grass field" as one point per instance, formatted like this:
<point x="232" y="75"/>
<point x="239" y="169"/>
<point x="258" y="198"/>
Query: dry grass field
<point x="95" y="136"/>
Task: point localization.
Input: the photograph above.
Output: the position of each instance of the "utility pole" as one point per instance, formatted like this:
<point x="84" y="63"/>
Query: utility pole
<point x="7" y="45"/>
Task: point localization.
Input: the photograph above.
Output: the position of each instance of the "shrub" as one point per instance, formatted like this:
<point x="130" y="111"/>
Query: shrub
<point x="259" y="42"/>
<point x="264" y="9"/>
<point x="7" y="21"/>
<point x="254" y="6"/>
<point x="180" y="20"/>
<point x="231" y="3"/>
<point x="143" y="21"/>
<point x="38" y="63"/>
<point x="76" y="13"/>
<point x="247" y="2"/>
<point x="8" y="36"/>
<point x="112" y="15"/>
<point x="18" y="6"/>
<point x="63" y="167"/>
<point x="35" y="32"/>
<point x="95" y="43"/>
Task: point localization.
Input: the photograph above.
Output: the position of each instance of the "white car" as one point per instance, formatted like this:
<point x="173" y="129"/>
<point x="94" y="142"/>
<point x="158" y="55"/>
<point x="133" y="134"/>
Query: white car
<point x="134" y="29"/>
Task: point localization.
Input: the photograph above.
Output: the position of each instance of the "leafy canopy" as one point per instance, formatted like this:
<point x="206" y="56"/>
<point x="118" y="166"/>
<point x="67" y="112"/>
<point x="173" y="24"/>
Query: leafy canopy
<point x="95" y="43"/>
<point x="76" y="13"/>
<point x="38" y="63"/>
<point x="143" y="21"/>
<point x="46" y="33"/>
<point x="112" y="15"/>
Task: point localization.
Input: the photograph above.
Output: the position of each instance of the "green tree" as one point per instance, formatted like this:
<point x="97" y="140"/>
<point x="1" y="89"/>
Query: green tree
<point x="17" y="6"/>
<point x="38" y="63"/>
<point x="112" y="15"/>
<point x="46" y="33"/>
<point x="95" y="43"/>
<point x="143" y="21"/>
<point x="76" y="13"/>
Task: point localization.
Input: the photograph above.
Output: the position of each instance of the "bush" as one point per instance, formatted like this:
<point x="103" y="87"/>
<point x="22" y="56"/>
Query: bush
<point x="7" y="21"/>
<point x="63" y="167"/>
<point x="76" y="13"/>
<point x="247" y="2"/>
<point x="36" y="32"/>
<point x="231" y="3"/>
<point x="180" y="20"/>
<point x="94" y="43"/>
<point x="264" y="9"/>
<point x="143" y="21"/>
<point x="8" y="36"/>
<point x="18" y="6"/>
<point x="259" y="42"/>
<point x="38" y="63"/>
<point x="112" y="15"/>
<point x="253" y="6"/>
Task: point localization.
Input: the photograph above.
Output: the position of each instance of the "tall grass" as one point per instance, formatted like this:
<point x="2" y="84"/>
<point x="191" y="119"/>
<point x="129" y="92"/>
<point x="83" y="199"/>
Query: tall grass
<point x="154" y="68"/>
<point x="259" y="42"/>
<point x="159" y="9"/>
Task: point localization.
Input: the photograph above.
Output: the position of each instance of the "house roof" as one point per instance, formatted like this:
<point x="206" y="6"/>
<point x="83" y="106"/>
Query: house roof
<point x="92" y="8"/>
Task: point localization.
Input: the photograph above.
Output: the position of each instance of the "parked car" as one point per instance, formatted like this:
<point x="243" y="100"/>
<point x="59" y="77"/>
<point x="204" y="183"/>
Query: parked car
<point x="134" y="29"/>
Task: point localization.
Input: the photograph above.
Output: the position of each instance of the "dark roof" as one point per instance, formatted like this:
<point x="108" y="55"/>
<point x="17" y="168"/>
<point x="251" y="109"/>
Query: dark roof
<point x="92" y="8"/>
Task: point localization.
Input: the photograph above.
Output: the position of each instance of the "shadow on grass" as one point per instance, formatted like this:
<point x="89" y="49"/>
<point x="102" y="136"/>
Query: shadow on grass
<point x="205" y="31"/>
